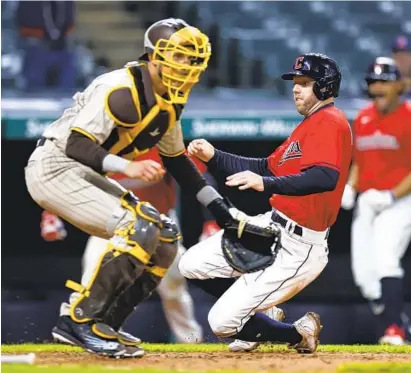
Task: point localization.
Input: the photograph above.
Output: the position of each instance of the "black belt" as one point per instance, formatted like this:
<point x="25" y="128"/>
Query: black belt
<point x="298" y="230"/>
<point x="283" y="222"/>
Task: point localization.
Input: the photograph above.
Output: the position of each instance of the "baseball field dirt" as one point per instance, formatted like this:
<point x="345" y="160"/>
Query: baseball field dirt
<point x="213" y="358"/>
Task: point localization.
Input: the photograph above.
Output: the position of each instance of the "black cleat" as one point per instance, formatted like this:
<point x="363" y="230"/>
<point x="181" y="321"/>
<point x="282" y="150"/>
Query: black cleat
<point x="89" y="336"/>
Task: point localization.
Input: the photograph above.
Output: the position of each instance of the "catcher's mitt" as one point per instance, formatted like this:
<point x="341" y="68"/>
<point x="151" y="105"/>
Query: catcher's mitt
<point x="250" y="247"/>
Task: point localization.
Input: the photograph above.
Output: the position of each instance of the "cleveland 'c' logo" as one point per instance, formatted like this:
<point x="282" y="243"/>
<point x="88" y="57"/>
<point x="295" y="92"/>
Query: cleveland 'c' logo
<point x="292" y="152"/>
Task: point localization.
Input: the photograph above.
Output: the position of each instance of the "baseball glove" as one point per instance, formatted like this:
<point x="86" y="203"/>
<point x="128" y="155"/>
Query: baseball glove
<point x="249" y="246"/>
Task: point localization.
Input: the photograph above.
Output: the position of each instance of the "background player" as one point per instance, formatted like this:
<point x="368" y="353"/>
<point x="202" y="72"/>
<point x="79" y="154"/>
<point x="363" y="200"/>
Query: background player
<point x="401" y="53"/>
<point x="381" y="174"/>
<point x="306" y="176"/>
<point x="120" y="115"/>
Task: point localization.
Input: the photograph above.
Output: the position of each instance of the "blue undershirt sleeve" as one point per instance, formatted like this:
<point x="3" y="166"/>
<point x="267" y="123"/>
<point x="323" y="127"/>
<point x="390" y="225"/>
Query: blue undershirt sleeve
<point x="317" y="179"/>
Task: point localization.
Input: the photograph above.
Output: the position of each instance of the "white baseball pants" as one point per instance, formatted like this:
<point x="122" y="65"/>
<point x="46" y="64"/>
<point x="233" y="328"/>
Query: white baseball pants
<point x="298" y="263"/>
<point x="378" y="243"/>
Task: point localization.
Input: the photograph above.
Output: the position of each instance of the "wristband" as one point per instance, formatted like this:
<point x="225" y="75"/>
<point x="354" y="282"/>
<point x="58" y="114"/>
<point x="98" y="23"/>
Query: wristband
<point x="114" y="163"/>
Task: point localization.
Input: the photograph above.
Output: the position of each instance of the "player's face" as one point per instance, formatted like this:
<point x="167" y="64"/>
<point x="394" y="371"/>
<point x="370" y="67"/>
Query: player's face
<point x="304" y="97"/>
<point x="181" y="59"/>
<point x="382" y="93"/>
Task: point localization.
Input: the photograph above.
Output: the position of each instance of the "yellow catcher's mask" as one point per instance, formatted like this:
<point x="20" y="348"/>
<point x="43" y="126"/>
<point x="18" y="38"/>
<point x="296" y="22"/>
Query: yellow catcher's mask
<point x="183" y="57"/>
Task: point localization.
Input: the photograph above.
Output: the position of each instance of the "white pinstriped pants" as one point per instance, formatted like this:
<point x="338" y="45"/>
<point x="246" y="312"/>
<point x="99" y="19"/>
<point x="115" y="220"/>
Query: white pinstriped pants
<point x="75" y="192"/>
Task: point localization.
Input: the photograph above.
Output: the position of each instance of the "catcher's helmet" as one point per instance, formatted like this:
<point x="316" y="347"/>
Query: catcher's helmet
<point x="322" y="69"/>
<point x="384" y="69"/>
<point x="169" y="39"/>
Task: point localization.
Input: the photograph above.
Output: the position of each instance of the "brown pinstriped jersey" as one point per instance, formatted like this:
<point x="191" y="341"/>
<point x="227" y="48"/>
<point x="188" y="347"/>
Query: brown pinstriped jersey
<point x="120" y="111"/>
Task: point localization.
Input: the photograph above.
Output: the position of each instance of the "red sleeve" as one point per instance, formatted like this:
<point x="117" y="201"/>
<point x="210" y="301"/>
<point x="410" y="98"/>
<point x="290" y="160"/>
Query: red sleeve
<point x="324" y="146"/>
<point x="199" y="164"/>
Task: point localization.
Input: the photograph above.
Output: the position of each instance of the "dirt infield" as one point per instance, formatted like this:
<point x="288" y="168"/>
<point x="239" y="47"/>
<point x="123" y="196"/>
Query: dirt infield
<point x="252" y="362"/>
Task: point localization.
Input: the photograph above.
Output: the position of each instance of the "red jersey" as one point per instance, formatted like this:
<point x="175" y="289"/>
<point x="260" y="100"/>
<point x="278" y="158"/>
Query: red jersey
<point x="162" y="195"/>
<point x="382" y="147"/>
<point x="322" y="139"/>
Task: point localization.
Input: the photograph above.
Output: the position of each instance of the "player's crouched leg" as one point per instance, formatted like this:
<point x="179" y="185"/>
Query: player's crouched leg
<point x="119" y="267"/>
<point x="205" y="260"/>
<point x="150" y="279"/>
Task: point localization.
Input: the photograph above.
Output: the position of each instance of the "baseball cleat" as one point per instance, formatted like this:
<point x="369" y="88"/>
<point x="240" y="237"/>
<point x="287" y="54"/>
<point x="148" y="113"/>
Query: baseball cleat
<point x="394" y="336"/>
<point x="127" y="338"/>
<point x="243" y="346"/>
<point x="309" y="327"/>
<point x="89" y="336"/>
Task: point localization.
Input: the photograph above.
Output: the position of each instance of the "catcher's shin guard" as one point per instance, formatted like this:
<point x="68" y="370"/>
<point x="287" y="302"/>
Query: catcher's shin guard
<point x="144" y="286"/>
<point x="120" y="265"/>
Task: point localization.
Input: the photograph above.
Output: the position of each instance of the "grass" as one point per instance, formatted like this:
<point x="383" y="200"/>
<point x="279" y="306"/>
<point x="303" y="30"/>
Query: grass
<point x="154" y="347"/>
<point x="112" y="367"/>
<point x="375" y="368"/>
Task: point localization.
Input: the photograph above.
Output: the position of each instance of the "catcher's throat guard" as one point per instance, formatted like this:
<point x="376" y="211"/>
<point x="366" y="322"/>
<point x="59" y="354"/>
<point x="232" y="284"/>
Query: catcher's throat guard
<point x="249" y="247"/>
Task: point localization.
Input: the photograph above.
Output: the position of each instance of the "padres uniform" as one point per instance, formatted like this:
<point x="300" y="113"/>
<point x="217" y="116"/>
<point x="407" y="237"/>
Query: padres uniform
<point x="77" y="193"/>
<point x="177" y="302"/>
<point x="382" y="154"/>
<point x="119" y="116"/>
<point x="323" y="138"/>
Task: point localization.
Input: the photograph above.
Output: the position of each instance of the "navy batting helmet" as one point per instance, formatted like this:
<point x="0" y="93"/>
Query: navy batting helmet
<point x="322" y="69"/>
<point x="384" y="69"/>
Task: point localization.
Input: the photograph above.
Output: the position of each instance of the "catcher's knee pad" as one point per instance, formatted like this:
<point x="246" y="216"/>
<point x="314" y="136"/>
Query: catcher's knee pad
<point x="144" y="285"/>
<point x="167" y="249"/>
<point x="128" y="252"/>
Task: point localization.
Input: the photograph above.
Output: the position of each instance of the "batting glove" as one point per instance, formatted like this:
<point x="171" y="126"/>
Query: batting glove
<point x="52" y="227"/>
<point x="348" y="198"/>
<point x="378" y="200"/>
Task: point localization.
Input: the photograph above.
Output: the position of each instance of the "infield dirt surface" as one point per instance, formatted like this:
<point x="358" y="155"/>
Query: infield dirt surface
<point x="197" y="359"/>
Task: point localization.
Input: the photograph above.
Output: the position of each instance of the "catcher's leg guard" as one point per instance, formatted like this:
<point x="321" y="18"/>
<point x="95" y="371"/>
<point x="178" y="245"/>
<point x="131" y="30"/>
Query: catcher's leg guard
<point x="120" y="265"/>
<point x="143" y="287"/>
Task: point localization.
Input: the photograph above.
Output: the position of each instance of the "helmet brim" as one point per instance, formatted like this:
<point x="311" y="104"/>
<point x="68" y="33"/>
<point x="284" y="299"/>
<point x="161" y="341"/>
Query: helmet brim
<point x="290" y="75"/>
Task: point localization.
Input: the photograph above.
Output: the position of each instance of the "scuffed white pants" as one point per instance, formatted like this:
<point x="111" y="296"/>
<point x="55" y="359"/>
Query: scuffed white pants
<point x="298" y="263"/>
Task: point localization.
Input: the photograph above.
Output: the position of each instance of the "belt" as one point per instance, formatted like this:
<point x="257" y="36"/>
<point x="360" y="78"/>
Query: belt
<point x="283" y="222"/>
<point x="298" y="230"/>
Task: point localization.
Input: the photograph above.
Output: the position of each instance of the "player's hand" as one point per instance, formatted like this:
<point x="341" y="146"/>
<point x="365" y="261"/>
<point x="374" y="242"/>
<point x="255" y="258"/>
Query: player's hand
<point x="348" y="198"/>
<point x="246" y="180"/>
<point x="378" y="200"/>
<point x="201" y="149"/>
<point x="147" y="170"/>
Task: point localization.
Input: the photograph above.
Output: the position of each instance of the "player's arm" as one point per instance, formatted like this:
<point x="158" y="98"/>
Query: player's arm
<point x="227" y="162"/>
<point x="93" y="126"/>
<point x="104" y="111"/>
<point x="319" y="168"/>
<point x="403" y="188"/>
<point x="172" y="151"/>
<point x="315" y="179"/>
<point x="353" y="177"/>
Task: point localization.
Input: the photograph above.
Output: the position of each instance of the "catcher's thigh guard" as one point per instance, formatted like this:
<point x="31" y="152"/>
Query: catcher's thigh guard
<point x="127" y="254"/>
<point x="143" y="286"/>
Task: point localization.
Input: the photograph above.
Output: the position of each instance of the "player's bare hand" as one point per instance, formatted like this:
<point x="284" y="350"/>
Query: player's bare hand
<point x="201" y="149"/>
<point x="246" y="180"/>
<point x="147" y="170"/>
